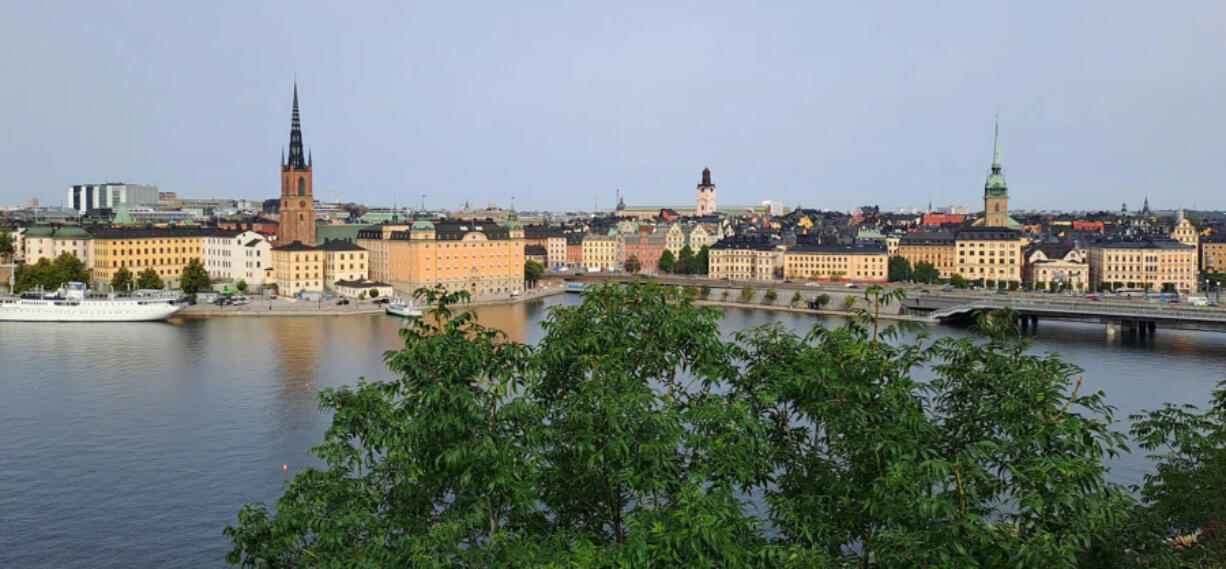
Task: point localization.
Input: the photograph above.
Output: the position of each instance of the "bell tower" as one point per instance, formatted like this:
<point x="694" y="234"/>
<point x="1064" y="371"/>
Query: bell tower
<point x="706" y="194"/>
<point x="297" y="219"/>
<point x="995" y="190"/>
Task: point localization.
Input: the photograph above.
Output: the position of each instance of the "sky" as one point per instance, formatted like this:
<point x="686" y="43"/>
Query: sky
<point x="559" y="104"/>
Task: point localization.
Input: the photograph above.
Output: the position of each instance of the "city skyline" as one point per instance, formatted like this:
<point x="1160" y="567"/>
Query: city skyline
<point x="824" y="107"/>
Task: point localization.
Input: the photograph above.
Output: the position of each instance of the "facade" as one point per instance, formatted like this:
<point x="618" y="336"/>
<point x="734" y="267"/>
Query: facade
<point x="601" y="252"/>
<point x="1056" y="271"/>
<point x="344" y="261"/>
<point x="936" y="248"/>
<point x="86" y="197"/>
<point x="1184" y="232"/>
<point x="166" y="250"/>
<point x="296" y="221"/>
<point x="354" y="289"/>
<point x="989" y="253"/>
<point x="43" y="241"/>
<point x="237" y="256"/>
<point x="865" y="262"/>
<point x="1213" y="253"/>
<point x="537" y="254"/>
<point x="995" y="191"/>
<point x="574" y="250"/>
<point x="744" y="260"/>
<point x="298" y="268"/>
<point x="646" y="246"/>
<point x="1151" y="264"/>
<point x="706" y="194"/>
<point x="481" y="256"/>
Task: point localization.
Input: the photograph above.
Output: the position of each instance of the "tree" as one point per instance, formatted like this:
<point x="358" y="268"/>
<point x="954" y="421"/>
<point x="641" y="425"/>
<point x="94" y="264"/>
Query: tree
<point x="50" y="275"/>
<point x="822" y="300"/>
<point x="685" y="261"/>
<point x="796" y="299"/>
<point x="533" y="271"/>
<point x="747" y="293"/>
<point x="990" y="283"/>
<point x="702" y="260"/>
<point x="925" y="272"/>
<point x="770" y="297"/>
<point x="195" y="277"/>
<point x="149" y="279"/>
<point x="7" y="247"/>
<point x="723" y="295"/>
<point x="667" y="262"/>
<point x="632" y="265"/>
<point x="899" y="269"/>
<point x="241" y="285"/>
<point x="374" y="293"/>
<point x="122" y="279"/>
<point x="361" y="296"/>
<point x="958" y="281"/>
<point x="1040" y="286"/>
<point x="704" y="291"/>
<point x="849" y="302"/>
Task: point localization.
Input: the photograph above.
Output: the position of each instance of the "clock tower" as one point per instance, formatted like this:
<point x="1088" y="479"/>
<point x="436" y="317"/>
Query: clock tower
<point x="297" y="219"/>
<point x="995" y="190"/>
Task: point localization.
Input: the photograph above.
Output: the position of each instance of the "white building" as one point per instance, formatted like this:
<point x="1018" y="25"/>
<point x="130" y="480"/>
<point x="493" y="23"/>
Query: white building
<point x="235" y="256"/>
<point x="85" y="197"/>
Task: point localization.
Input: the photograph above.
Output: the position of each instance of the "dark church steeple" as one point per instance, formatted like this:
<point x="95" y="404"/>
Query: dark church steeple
<point x="297" y="158"/>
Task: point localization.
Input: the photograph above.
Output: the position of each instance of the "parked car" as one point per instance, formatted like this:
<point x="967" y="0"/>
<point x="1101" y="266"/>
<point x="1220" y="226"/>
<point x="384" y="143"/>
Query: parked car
<point x="947" y="289"/>
<point x="851" y="285"/>
<point x="342" y="302"/>
<point x="813" y="283"/>
<point x="384" y="300"/>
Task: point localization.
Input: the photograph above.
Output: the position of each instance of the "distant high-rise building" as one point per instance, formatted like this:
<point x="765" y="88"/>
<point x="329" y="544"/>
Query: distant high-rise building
<point x="86" y="197"/>
<point x="706" y="194"/>
<point x="296" y="221"/>
<point x="995" y="191"/>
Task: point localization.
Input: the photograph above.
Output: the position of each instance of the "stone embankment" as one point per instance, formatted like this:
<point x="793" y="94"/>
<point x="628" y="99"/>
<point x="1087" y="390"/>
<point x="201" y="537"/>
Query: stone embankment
<point x="294" y="307"/>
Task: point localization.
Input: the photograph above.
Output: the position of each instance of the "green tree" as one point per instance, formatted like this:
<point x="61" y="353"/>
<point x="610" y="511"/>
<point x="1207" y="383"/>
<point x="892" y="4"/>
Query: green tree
<point x="7" y="247"/>
<point x="685" y="261"/>
<point x="149" y="279"/>
<point x="797" y="298"/>
<point x="747" y="293"/>
<point x="1040" y="286"/>
<point x="702" y="260"/>
<point x="632" y="265"/>
<point x="770" y="297"/>
<point x="849" y="302"/>
<point x="822" y="300"/>
<point x="241" y="285"/>
<point x="533" y="271"/>
<point x="990" y="283"/>
<point x="724" y="295"/>
<point x="374" y="293"/>
<point x="925" y="273"/>
<point x="50" y="275"/>
<point x="361" y="296"/>
<point x="195" y="277"/>
<point x="899" y="269"/>
<point x="958" y="281"/>
<point x="667" y="262"/>
<point x="122" y="280"/>
<point x="704" y="291"/>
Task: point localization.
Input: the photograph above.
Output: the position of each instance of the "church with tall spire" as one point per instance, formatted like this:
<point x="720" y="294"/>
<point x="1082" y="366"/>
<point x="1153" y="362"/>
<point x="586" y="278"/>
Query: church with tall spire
<point x="995" y="190"/>
<point x="296" y="221"/>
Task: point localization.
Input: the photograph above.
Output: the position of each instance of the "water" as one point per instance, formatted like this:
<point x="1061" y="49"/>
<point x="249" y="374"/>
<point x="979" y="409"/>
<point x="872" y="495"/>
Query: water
<point x="133" y="445"/>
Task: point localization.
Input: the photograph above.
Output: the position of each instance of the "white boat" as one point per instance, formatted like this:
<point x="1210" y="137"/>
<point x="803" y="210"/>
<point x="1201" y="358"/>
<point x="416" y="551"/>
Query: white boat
<point x="403" y="308"/>
<point x="73" y="304"/>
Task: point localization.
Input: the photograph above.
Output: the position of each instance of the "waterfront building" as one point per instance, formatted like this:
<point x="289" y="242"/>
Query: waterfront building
<point x="165" y="249"/>
<point x="45" y="241"/>
<point x="479" y="256"/>
<point x="237" y="256"/>
<point x="574" y="250"/>
<point x="297" y="267"/>
<point x="1152" y="264"/>
<point x="344" y="261"/>
<point x="601" y="252"/>
<point x="646" y="245"/>
<point x="296" y="220"/>
<point x="744" y="259"/>
<point x="87" y="197"/>
<point x="1184" y="232"/>
<point x="1213" y="253"/>
<point x="537" y="254"/>
<point x="859" y="262"/>
<point x="552" y="239"/>
<point x="936" y="248"/>
<point x="1056" y="265"/>
<point x="989" y="253"/>
<point x="354" y="289"/>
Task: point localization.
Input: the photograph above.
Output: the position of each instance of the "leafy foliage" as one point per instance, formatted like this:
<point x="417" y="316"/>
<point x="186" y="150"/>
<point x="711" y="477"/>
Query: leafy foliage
<point x="925" y="272"/>
<point x="149" y="279"/>
<point x="7" y="245"/>
<point x="195" y="277"/>
<point x="632" y="265"/>
<point x="667" y="262"/>
<point x="770" y="296"/>
<point x="50" y="275"/>
<point x="899" y="269"/>
<point x="685" y="261"/>
<point x="241" y="285"/>
<point x="533" y="271"/>
<point x="122" y="279"/>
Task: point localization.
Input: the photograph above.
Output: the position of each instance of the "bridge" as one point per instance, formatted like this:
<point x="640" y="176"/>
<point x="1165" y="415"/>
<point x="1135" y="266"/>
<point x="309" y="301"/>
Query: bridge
<point x="1133" y="316"/>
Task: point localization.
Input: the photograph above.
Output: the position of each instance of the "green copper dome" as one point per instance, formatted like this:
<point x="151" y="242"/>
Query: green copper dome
<point x="72" y="231"/>
<point x="512" y="221"/>
<point x="421" y="223"/>
<point x="996" y="187"/>
<point x="39" y="230"/>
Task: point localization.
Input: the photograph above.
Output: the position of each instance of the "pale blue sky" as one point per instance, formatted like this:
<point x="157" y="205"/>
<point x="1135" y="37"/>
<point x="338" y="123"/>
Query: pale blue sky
<point x="827" y="104"/>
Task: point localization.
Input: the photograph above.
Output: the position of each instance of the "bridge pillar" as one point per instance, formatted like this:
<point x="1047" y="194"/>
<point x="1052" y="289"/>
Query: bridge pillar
<point x="1153" y="327"/>
<point x="1111" y="328"/>
<point x="1034" y="320"/>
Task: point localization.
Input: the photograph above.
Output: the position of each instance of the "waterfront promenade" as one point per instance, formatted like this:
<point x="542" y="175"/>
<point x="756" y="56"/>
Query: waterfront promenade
<point x="282" y="306"/>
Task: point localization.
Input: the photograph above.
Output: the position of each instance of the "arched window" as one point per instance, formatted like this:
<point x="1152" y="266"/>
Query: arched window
<point x="302" y="186"/>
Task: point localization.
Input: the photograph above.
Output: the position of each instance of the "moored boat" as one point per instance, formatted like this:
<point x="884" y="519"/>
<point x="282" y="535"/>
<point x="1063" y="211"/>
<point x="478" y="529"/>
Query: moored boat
<point x="402" y="308"/>
<point x="73" y="304"/>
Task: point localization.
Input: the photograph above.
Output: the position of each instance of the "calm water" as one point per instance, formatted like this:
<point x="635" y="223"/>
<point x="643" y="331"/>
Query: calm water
<point x="133" y="445"/>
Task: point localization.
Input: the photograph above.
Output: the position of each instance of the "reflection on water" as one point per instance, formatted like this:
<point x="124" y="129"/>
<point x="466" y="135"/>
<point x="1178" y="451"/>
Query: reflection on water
<point x="133" y="445"/>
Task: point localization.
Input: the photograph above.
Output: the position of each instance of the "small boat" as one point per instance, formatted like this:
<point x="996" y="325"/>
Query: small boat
<point x="575" y="287"/>
<point x="402" y="308"/>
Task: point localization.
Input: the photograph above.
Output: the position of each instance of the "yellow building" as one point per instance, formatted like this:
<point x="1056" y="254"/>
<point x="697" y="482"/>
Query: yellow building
<point x="836" y="262"/>
<point x="936" y="248"/>
<point x="1161" y="265"/>
<point x="1184" y="232"/>
<point x="602" y="252"/>
<point x="480" y="256"/>
<point x="1213" y="253"/>
<point x="744" y="259"/>
<point x="344" y="261"/>
<point x="298" y="268"/>
<point x="165" y="250"/>
<point x="989" y="253"/>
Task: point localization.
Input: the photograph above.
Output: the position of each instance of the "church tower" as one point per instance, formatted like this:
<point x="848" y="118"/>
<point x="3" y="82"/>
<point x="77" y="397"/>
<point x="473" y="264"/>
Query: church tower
<point x="995" y="191"/>
<point x="706" y="194"/>
<point x="297" y="219"/>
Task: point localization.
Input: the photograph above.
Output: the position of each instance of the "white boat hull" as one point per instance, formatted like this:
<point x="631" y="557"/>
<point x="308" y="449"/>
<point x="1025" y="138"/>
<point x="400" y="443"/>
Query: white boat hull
<point x="101" y="310"/>
<point x="403" y="311"/>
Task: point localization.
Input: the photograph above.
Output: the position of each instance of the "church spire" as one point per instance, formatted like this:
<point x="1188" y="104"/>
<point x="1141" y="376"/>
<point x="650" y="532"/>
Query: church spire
<point x="996" y="147"/>
<point x="297" y="159"/>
